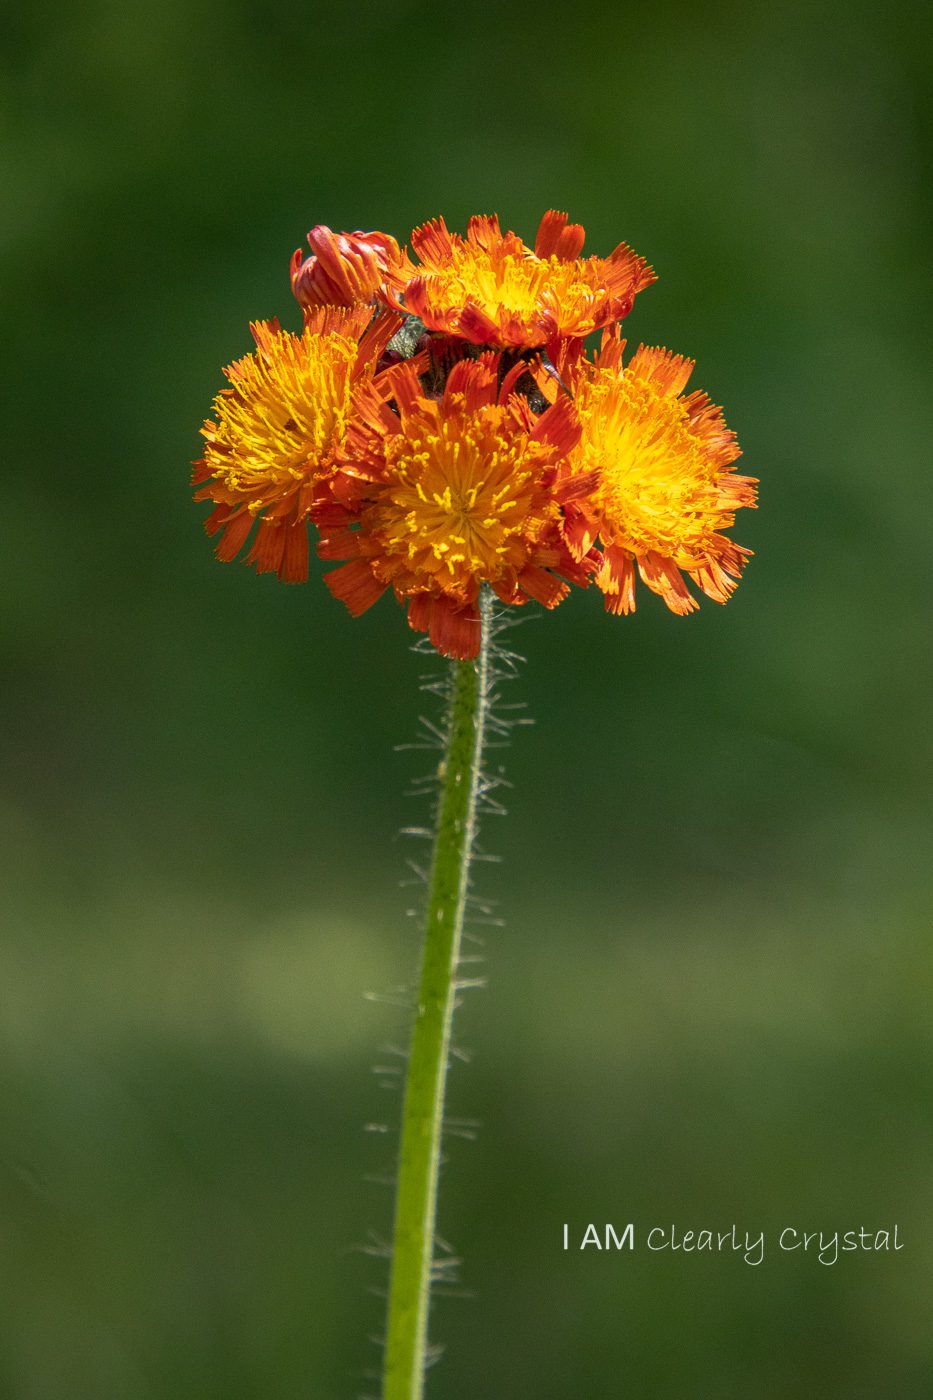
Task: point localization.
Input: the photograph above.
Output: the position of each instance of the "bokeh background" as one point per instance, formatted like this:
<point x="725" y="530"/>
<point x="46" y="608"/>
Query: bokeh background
<point x="710" y="1001"/>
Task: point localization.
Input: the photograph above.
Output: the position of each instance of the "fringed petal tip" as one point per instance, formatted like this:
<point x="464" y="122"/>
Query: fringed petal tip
<point x="668" y="372"/>
<point x="281" y="549"/>
<point x="558" y="238"/>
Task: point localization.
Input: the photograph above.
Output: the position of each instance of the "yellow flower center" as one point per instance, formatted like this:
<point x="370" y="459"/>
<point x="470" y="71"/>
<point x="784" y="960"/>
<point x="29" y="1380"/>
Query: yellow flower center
<point x="658" y="489"/>
<point x="286" y="415"/>
<point x="461" y="501"/>
<point x="522" y="286"/>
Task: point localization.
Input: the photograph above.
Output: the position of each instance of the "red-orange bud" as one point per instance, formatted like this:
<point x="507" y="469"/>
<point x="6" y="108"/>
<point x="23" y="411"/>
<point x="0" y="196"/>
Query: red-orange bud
<point x="346" y="269"/>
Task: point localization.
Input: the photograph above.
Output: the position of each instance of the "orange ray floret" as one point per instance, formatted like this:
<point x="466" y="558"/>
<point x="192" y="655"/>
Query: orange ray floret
<point x="277" y="430"/>
<point x="490" y="289"/>
<point x="347" y="269"/>
<point x="445" y="495"/>
<point x="665" y="487"/>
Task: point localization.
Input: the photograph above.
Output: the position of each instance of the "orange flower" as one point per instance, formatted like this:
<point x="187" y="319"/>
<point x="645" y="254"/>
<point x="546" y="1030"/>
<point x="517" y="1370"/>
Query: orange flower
<point x="489" y="288"/>
<point x="665" y="487"/>
<point x="428" y="466"/>
<point x="277" y="431"/>
<point x="449" y="494"/>
<point x="347" y="269"/>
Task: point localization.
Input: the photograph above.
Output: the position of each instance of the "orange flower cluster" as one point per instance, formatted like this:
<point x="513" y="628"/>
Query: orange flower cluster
<point x="442" y="427"/>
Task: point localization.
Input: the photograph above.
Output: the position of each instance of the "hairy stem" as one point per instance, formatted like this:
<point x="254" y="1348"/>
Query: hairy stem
<point x="422" y="1115"/>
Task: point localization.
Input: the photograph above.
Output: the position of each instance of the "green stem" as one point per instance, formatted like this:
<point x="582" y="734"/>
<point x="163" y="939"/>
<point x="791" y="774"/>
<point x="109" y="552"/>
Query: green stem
<point x="422" y="1115"/>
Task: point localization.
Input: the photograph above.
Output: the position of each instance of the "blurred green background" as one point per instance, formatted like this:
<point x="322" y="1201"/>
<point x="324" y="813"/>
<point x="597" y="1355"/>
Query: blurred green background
<point x="710" y="1002"/>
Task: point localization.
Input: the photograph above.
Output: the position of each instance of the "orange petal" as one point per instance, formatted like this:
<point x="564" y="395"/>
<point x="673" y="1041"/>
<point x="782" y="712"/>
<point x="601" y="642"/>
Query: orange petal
<point x="234" y="536"/>
<point x="481" y="329"/>
<point x="579" y="531"/>
<point x="559" y="425"/>
<point x="556" y="237"/>
<point x="294" y="564"/>
<point x="377" y="336"/>
<point x="432" y="242"/>
<point x="455" y="631"/>
<point x="668" y="372"/>
<point x="545" y="588"/>
<point x="632" y="269"/>
<point x="484" y="231"/>
<point x="664" y="578"/>
<point x="355" y="586"/>
<point x="339" y="543"/>
<point x="268" y="548"/>
<point x="616" y="578"/>
<point x="476" y="380"/>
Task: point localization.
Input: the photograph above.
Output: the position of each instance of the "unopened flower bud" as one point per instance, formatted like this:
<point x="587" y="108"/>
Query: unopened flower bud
<point x="346" y="269"/>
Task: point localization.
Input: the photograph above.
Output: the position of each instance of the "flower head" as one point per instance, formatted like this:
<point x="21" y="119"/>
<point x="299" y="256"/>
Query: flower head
<point x="418" y="427"/>
<point x="277" y="430"/>
<point x="449" y="494"/>
<point x="490" y="289"/>
<point x="664" y="484"/>
<point x="347" y="269"/>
